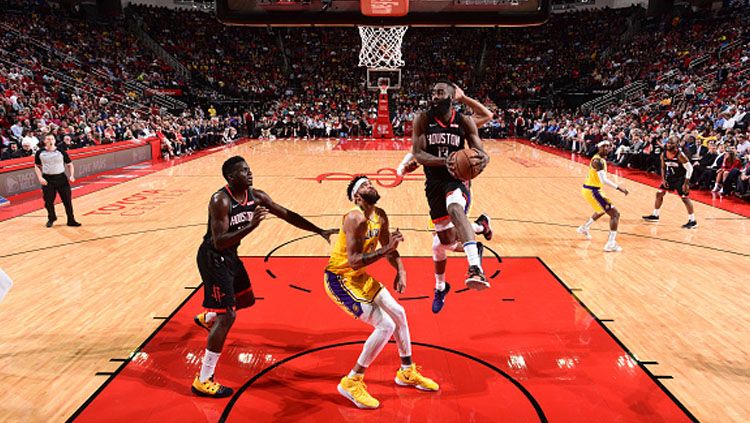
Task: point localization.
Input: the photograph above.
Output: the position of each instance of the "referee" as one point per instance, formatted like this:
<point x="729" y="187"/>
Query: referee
<point x="50" y="170"/>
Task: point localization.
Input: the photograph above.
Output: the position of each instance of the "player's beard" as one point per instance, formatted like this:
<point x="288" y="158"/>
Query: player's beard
<point x="440" y="108"/>
<point x="370" y="197"/>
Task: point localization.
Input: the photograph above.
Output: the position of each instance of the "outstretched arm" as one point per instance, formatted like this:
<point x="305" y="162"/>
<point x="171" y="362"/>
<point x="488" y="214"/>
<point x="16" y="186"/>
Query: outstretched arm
<point x="419" y="143"/>
<point x="598" y="165"/>
<point x="290" y="216"/>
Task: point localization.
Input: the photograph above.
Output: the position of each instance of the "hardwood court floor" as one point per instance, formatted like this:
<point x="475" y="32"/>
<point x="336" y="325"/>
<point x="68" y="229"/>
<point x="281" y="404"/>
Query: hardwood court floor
<point x="83" y="296"/>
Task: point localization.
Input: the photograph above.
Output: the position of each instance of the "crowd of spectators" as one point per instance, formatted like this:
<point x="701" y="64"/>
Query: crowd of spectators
<point x="65" y="75"/>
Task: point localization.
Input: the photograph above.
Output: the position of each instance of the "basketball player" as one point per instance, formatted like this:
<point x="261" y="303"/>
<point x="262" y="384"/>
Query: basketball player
<point x="676" y="171"/>
<point x="591" y="191"/>
<point x="234" y="212"/>
<point x="438" y="135"/>
<point x="481" y="226"/>
<point x="364" y="298"/>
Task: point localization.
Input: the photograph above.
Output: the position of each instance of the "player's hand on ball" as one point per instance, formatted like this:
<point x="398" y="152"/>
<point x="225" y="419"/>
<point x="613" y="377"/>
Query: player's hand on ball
<point x="399" y="284"/>
<point x="450" y="163"/>
<point x="480" y="159"/>
<point x="327" y="234"/>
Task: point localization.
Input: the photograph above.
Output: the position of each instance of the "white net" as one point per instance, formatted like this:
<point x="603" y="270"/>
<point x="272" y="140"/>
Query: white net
<point x="381" y="46"/>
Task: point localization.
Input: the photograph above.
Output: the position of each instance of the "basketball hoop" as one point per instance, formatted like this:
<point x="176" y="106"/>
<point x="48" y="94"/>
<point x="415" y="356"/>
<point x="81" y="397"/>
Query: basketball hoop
<point x="381" y="46"/>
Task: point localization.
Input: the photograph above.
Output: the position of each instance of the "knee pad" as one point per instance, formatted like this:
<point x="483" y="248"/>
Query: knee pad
<point x="438" y="249"/>
<point x="456" y="197"/>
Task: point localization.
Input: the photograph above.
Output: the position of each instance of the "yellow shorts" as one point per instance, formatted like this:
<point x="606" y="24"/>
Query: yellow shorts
<point x="351" y="292"/>
<point x="599" y="202"/>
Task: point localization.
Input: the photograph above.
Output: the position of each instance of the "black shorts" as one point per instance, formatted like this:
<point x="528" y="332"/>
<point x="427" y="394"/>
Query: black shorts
<point x="437" y="190"/>
<point x="225" y="280"/>
<point x="675" y="185"/>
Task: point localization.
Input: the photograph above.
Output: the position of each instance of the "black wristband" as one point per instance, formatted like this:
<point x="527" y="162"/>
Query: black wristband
<point x="368" y="258"/>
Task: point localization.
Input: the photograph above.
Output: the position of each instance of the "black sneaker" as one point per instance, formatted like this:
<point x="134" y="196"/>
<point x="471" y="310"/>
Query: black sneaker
<point x="484" y="220"/>
<point x="651" y="218"/>
<point x="475" y="279"/>
<point x="50" y="223"/>
<point x="73" y="223"/>
<point x="439" y="300"/>
<point x="692" y="224"/>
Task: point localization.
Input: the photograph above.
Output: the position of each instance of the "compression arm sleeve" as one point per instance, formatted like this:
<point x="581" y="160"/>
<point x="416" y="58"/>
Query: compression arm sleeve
<point x="688" y="169"/>
<point x="603" y="177"/>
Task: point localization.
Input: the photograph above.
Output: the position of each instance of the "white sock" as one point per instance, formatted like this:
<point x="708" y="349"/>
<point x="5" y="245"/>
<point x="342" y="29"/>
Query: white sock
<point x="691" y="217"/>
<point x="612" y="235"/>
<point x="440" y="282"/>
<point x="472" y="254"/>
<point x="209" y="365"/>
<point x="405" y="366"/>
<point x="655" y="212"/>
<point x="588" y="224"/>
<point x="352" y="373"/>
<point x="210" y="316"/>
<point x="478" y="229"/>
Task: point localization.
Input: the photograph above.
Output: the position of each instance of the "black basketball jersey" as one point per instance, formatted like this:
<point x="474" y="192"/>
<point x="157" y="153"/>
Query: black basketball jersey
<point x="674" y="169"/>
<point x="240" y="214"/>
<point x="443" y="138"/>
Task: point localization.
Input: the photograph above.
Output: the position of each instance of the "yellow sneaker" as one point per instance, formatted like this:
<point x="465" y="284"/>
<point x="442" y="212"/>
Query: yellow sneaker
<point x="200" y="320"/>
<point x="209" y="388"/>
<point x="355" y="390"/>
<point x="412" y="377"/>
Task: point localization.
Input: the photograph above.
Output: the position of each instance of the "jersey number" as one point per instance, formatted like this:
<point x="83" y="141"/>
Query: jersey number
<point x="443" y="152"/>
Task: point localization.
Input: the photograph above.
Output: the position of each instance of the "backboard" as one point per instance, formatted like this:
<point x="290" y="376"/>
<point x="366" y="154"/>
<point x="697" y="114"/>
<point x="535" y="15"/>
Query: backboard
<point x="383" y="12"/>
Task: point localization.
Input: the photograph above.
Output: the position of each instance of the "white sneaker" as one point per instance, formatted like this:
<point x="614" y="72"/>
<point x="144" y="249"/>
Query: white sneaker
<point x="612" y="247"/>
<point x="583" y="231"/>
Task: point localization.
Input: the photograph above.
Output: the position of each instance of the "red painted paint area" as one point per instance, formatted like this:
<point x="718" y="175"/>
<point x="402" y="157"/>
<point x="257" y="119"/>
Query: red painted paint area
<point x="526" y="350"/>
<point x="728" y="203"/>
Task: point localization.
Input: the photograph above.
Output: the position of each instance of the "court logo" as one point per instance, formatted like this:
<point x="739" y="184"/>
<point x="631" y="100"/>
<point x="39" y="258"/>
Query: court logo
<point x="385" y="177"/>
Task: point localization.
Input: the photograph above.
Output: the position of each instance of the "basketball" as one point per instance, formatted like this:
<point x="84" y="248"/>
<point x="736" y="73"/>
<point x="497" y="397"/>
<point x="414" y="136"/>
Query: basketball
<point x="464" y="169"/>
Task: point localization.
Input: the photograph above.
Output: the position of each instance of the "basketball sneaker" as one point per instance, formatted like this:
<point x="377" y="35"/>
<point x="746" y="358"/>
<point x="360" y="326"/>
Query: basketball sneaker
<point x="355" y="390"/>
<point x="651" y="218"/>
<point x="692" y="224"/>
<point x="612" y="247"/>
<point x="200" y="320"/>
<point x="484" y="220"/>
<point x="475" y="279"/>
<point x="439" y="300"/>
<point x="411" y="377"/>
<point x="209" y="388"/>
<point x="584" y="231"/>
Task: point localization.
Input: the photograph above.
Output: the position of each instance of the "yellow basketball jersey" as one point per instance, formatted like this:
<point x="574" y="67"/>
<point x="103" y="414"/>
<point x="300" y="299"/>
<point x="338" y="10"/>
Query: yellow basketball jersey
<point x="592" y="179"/>
<point x="339" y="261"/>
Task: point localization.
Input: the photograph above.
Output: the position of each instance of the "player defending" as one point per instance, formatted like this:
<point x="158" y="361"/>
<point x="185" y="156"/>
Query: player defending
<point x="364" y="298"/>
<point x="592" y="192"/>
<point x="234" y="212"/>
<point x="481" y="226"/>
<point x="676" y="171"/>
<point x="439" y="133"/>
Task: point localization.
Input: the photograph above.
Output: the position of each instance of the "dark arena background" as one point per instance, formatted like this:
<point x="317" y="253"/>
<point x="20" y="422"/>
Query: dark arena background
<point x="582" y="322"/>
